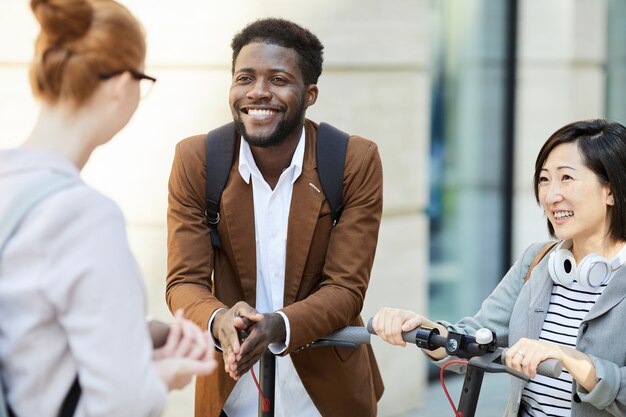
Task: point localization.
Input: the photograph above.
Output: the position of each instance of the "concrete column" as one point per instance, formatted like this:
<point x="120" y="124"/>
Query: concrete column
<point x="562" y="54"/>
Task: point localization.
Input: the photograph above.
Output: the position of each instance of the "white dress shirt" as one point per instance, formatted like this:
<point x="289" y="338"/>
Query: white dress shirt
<point x="72" y="300"/>
<point x="271" y="219"/>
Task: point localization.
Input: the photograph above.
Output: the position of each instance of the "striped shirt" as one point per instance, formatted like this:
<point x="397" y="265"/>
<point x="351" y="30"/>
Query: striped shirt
<point x="569" y="305"/>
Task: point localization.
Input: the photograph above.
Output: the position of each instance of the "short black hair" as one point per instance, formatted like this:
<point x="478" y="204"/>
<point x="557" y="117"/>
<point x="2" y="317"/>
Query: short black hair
<point x="287" y="34"/>
<point x="602" y="145"/>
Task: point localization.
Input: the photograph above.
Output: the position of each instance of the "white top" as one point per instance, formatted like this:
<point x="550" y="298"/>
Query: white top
<point x="546" y="396"/>
<point x="72" y="300"/>
<point x="271" y="219"/>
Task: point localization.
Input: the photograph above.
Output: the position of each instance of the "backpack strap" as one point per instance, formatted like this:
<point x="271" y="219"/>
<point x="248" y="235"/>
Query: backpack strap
<point x="220" y="145"/>
<point x="28" y="199"/>
<point x="22" y="205"/>
<point x="538" y="257"/>
<point x="5" y="410"/>
<point x="70" y="402"/>
<point x="331" y="158"/>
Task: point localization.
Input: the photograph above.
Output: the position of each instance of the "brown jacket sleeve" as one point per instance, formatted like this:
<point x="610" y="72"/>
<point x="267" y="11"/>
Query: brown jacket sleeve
<point x="190" y="254"/>
<point x="334" y="298"/>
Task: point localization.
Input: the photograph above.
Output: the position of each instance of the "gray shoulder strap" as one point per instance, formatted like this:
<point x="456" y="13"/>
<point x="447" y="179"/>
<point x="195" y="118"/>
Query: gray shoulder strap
<point x="3" y="404"/>
<point x="28" y="199"/>
<point x="20" y="207"/>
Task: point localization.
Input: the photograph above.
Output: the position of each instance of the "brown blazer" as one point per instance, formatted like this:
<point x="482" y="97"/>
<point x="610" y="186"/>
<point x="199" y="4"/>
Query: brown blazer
<point x="326" y="277"/>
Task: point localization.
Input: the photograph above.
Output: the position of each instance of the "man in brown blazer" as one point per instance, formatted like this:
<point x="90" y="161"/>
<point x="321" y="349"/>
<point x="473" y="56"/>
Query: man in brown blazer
<point x="284" y="276"/>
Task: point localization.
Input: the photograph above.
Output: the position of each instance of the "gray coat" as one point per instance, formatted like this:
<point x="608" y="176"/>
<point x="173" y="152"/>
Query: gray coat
<point x="515" y="310"/>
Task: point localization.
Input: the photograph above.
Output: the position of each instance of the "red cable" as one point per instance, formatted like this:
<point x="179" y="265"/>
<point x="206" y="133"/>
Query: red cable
<point x="265" y="403"/>
<point x="443" y="384"/>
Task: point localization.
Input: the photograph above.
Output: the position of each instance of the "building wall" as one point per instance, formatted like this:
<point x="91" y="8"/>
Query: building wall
<point x="561" y="79"/>
<point x="375" y="84"/>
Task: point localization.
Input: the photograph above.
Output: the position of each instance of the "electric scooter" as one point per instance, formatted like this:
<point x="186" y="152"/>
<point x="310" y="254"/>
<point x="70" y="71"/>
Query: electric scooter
<point x="478" y="354"/>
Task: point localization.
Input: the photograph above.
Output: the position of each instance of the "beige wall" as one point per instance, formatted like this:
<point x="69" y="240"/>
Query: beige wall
<point x="375" y="83"/>
<point x="561" y="79"/>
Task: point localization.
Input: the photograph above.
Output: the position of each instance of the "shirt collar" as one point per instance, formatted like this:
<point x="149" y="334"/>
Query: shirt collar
<point x="248" y="167"/>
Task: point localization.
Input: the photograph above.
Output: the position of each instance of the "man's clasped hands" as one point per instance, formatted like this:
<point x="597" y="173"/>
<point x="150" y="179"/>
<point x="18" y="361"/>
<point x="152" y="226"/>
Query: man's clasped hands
<point x="245" y="334"/>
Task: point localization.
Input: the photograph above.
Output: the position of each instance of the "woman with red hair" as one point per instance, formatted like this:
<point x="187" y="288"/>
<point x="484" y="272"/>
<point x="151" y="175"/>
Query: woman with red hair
<point x="72" y="300"/>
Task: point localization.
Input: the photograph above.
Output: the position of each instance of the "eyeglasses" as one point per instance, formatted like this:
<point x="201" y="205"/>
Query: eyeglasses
<point x="146" y="82"/>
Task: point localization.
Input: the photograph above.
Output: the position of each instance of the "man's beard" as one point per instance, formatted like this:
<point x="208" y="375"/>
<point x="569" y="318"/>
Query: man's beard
<point x="280" y="134"/>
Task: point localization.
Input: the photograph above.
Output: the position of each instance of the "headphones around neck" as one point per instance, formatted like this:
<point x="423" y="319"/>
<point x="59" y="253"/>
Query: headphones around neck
<point x="593" y="271"/>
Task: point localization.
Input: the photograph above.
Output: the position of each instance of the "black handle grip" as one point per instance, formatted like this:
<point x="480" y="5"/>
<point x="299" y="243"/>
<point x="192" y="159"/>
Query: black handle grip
<point x="549" y="367"/>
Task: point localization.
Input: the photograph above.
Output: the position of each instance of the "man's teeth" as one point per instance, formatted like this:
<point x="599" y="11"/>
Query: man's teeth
<point x="260" y="112"/>
<point x="563" y="214"/>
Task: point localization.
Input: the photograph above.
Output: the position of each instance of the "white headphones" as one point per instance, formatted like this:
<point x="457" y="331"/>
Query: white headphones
<point x="593" y="271"/>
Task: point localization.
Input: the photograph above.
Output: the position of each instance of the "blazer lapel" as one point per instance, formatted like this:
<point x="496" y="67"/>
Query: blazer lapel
<point x="540" y="294"/>
<point x="541" y="291"/>
<point x="238" y="213"/>
<point x="306" y="203"/>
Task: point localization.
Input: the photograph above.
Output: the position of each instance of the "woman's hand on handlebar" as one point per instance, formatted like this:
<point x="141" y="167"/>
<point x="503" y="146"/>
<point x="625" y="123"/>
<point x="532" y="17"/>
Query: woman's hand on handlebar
<point x="526" y="354"/>
<point x="389" y="323"/>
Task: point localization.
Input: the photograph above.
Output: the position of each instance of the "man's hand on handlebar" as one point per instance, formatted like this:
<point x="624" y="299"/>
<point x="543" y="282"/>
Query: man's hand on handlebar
<point x="271" y="329"/>
<point x="229" y="327"/>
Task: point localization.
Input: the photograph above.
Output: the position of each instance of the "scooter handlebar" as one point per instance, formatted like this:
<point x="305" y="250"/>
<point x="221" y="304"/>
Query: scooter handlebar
<point x="549" y="367"/>
<point x="351" y="334"/>
<point x="412" y="335"/>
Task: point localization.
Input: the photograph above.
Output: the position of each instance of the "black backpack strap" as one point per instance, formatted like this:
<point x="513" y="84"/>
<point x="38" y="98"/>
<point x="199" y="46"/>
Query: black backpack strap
<point x="331" y="158"/>
<point x="220" y="145"/>
<point x="71" y="400"/>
